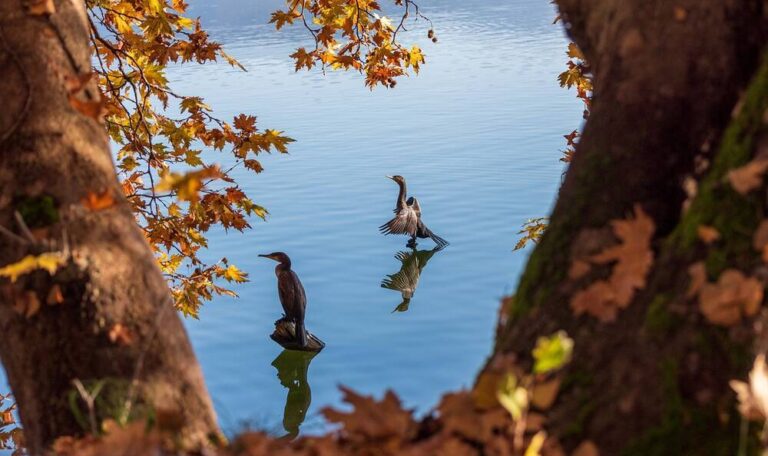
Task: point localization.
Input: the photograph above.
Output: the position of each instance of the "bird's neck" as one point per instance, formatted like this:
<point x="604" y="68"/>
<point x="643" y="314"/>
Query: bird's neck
<point x="283" y="266"/>
<point x="401" y="195"/>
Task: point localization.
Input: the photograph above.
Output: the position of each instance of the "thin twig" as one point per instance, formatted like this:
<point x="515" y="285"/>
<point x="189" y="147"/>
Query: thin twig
<point x="90" y="401"/>
<point x="23" y="227"/>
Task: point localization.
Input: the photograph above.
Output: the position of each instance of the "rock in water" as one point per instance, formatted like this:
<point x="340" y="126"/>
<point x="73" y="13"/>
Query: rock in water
<point x="285" y="335"/>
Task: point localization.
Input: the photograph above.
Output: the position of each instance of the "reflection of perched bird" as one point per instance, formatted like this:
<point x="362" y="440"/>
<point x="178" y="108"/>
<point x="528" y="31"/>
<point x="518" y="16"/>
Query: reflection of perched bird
<point x="408" y="218"/>
<point x="407" y="278"/>
<point x="291" y="293"/>
<point x="292" y="367"/>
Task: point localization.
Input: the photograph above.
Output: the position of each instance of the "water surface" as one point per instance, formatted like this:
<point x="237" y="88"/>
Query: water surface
<point x="477" y="135"/>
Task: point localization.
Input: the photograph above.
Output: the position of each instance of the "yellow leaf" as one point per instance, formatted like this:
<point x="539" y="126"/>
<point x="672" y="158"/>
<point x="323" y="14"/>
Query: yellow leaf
<point x="512" y="397"/>
<point x="97" y="202"/>
<point x="234" y="274"/>
<point x="537" y="442"/>
<point x="48" y="261"/>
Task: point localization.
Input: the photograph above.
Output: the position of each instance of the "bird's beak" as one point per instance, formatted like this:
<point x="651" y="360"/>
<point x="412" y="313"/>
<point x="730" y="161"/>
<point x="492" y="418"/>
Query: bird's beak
<point x="265" y="256"/>
<point x="390" y="177"/>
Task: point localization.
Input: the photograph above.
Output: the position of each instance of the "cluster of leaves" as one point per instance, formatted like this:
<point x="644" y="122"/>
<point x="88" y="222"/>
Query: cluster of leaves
<point x="532" y="231"/>
<point x="503" y="414"/>
<point x="175" y="191"/>
<point x="354" y="34"/>
<point x="577" y="74"/>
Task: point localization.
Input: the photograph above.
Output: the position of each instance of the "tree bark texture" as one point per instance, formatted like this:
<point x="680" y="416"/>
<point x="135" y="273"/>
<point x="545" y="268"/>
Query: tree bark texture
<point x="669" y="79"/>
<point x="112" y="324"/>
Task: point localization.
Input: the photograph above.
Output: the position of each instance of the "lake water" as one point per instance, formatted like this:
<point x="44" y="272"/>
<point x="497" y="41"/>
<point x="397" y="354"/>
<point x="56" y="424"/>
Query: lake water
<point x="477" y="135"/>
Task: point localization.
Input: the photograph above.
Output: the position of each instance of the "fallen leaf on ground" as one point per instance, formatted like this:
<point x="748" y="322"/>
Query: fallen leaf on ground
<point x="733" y="296"/>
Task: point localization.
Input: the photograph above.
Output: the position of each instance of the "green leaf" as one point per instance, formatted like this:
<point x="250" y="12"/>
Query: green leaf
<point x="552" y="353"/>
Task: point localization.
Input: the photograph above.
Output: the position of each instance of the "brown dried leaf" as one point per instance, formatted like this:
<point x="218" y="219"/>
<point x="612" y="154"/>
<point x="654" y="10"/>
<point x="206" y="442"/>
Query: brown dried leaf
<point x="633" y="257"/>
<point x="40" y="7"/>
<point x="749" y="176"/>
<point x="544" y="394"/>
<point x="698" y="273"/>
<point x="578" y="269"/>
<point x="89" y="103"/>
<point x="121" y="335"/>
<point x="760" y="239"/>
<point x="707" y="234"/>
<point x="733" y="296"/>
<point x="26" y="303"/>
<point x="459" y="415"/>
<point x="54" y="295"/>
<point x="586" y="448"/>
<point x="371" y="419"/>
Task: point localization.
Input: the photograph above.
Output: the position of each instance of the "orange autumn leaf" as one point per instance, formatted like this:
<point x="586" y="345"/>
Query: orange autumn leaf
<point x="26" y="304"/>
<point x="97" y="202"/>
<point x="54" y="295"/>
<point x="586" y="448"/>
<point x="121" y="335"/>
<point x="372" y="419"/>
<point x="41" y="7"/>
<point x="633" y="258"/>
<point x="732" y="297"/>
<point x="760" y="239"/>
<point x="748" y="177"/>
<point x="90" y="103"/>
<point x="707" y="234"/>
<point x="543" y="395"/>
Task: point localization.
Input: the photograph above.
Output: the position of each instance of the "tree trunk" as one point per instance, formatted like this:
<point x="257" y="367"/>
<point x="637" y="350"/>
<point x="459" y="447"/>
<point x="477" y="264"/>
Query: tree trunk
<point x="667" y="79"/>
<point x="105" y="318"/>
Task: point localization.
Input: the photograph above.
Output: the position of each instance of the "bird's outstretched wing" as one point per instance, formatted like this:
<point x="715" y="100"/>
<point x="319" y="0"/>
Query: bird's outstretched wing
<point x="406" y="221"/>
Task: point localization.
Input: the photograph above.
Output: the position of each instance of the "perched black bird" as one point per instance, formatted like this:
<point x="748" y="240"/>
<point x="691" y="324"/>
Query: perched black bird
<point x="408" y="218"/>
<point x="292" y="295"/>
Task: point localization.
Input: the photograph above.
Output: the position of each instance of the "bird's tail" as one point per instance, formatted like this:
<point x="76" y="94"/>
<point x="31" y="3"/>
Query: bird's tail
<point x="426" y="232"/>
<point x="301" y="334"/>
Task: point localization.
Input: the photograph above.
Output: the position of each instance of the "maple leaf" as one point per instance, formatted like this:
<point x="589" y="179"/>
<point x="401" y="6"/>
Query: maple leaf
<point x="633" y="257"/>
<point x="532" y="230"/>
<point x="49" y="261"/>
<point x="100" y="201"/>
<point x="371" y="419"/>
<point x="733" y="296"/>
<point x="748" y="177"/>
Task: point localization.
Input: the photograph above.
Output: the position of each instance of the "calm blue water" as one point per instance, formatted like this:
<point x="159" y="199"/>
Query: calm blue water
<point x="477" y="135"/>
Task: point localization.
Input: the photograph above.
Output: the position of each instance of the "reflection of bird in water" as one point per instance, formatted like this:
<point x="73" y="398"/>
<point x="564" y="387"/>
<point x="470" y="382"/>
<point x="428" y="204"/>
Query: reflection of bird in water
<point x="407" y="278"/>
<point x="408" y="218"/>
<point x="292" y="295"/>
<point x="292" y="367"/>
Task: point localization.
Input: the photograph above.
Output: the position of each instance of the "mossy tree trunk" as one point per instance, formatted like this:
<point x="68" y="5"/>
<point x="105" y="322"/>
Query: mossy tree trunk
<point x="105" y="317"/>
<point x="668" y="77"/>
